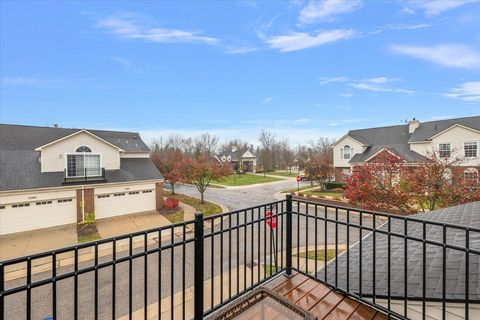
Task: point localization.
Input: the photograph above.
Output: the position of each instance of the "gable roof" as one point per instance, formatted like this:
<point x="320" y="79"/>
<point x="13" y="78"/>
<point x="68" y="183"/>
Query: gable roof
<point x="236" y="155"/>
<point x="74" y="134"/>
<point x="346" y="136"/>
<point x="20" y="165"/>
<point x="426" y="130"/>
<point x="381" y="135"/>
<point x="397" y="139"/>
<point x="465" y="215"/>
<point x="401" y="150"/>
<point x="20" y="137"/>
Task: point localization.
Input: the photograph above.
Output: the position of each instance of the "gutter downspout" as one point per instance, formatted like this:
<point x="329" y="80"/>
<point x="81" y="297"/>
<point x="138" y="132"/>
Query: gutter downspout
<point x="83" y="203"/>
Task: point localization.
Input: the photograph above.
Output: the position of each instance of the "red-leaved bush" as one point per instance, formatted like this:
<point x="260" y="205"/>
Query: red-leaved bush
<point x="171" y="203"/>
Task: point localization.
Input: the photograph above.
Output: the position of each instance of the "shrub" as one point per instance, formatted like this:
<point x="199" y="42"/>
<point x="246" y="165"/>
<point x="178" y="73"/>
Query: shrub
<point x="88" y="218"/>
<point x="333" y="185"/>
<point x="171" y="203"/>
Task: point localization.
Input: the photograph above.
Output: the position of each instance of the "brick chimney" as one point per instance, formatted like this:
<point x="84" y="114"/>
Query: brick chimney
<point x="413" y="125"/>
<point x="234" y="148"/>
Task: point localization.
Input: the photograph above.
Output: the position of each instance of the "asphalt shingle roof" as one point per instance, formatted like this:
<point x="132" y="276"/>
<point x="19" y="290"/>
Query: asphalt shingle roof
<point x="20" y="165"/>
<point x="465" y="215"/>
<point x="397" y="138"/>
<point x="18" y="137"/>
<point x="402" y="150"/>
<point x="431" y="128"/>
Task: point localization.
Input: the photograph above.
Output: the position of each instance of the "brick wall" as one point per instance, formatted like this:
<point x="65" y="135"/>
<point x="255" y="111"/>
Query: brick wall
<point x="89" y="202"/>
<point x="159" y="195"/>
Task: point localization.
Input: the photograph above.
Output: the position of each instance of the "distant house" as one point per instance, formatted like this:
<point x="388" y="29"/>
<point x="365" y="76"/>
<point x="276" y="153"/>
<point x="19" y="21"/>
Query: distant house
<point x="54" y="176"/>
<point x="412" y="142"/>
<point x="241" y="162"/>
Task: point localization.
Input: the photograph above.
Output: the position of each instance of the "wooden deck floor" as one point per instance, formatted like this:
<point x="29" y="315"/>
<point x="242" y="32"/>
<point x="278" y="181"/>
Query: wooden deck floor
<point x="321" y="300"/>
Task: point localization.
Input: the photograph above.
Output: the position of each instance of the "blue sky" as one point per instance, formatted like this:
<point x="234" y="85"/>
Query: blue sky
<point x="301" y="69"/>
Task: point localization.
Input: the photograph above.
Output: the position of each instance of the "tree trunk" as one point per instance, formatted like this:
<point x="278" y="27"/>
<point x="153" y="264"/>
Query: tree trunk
<point x="173" y="188"/>
<point x="201" y="197"/>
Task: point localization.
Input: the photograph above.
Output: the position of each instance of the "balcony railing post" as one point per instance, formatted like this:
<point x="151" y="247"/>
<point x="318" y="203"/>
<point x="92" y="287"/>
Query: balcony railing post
<point x="288" y="236"/>
<point x="198" y="267"/>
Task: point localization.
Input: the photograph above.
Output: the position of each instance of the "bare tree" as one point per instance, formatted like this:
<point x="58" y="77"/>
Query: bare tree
<point x="287" y="156"/>
<point x="206" y="144"/>
<point x="267" y="148"/>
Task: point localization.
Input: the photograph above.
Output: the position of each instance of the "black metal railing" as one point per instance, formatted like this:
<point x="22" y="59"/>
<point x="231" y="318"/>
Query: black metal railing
<point x="86" y="175"/>
<point x="190" y="269"/>
<point x="404" y="266"/>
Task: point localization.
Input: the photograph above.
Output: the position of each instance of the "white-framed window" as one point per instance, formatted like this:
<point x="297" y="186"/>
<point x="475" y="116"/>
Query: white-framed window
<point x="83" y="149"/>
<point x="346" y="152"/>
<point x="470" y="149"/>
<point x="444" y="150"/>
<point x="470" y="174"/>
<point x="83" y="163"/>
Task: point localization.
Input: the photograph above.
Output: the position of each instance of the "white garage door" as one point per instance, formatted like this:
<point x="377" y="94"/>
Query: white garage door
<point x="117" y="204"/>
<point x="36" y="215"/>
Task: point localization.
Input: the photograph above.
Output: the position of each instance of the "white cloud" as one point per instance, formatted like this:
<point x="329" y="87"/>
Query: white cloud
<point x="326" y="10"/>
<point x="450" y="55"/>
<point x="267" y="100"/>
<point x="378" y="84"/>
<point x="38" y="80"/>
<point x="240" y="50"/>
<point x="402" y="26"/>
<point x="126" y="64"/>
<point x="468" y="91"/>
<point x="326" y="80"/>
<point x="346" y="95"/>
<point x="129" y="28"/>
<point x="300" y="40"/>
<point x="303" y="120"/>
<point x="434" y="7"/>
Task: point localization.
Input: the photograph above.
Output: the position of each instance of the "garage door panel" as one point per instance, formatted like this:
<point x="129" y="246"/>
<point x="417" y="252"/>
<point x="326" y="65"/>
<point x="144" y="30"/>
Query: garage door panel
<point x="117" y="204"/>
<point x="35" y="216"/>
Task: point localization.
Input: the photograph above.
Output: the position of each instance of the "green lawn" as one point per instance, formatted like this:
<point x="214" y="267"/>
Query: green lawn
<point x="206" y="208"/>
<point x="270" y="269"/>
<point x="284" y="173"/>
<point x="317" y="192"/>
<point x="175" y="217"/>
<point x="320" y="254"/>
<point x="244" y="180"/>
<point x="295" y="189"/>
<point x="83" y="239"/>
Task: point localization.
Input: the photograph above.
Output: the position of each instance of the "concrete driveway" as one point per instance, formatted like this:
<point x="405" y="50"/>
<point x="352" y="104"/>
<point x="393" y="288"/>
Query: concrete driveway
<point x="30" y="242"/>
<point x="36" y="241"/>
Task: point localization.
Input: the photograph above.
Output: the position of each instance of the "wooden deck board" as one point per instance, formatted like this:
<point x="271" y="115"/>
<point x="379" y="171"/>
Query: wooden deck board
<point x="321" y="300"/>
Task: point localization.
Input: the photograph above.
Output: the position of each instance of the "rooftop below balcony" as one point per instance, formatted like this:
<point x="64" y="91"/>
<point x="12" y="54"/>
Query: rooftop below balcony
<point x="321" y="300"/>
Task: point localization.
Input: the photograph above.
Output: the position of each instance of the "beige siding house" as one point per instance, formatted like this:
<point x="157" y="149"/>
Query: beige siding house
<point x="413" y="143"/>
<point x="54" y="176"/>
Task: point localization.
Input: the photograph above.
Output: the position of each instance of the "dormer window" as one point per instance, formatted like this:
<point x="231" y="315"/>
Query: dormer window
<point x="83" y="163"/>
<point x="346" y="152"/>
<point x="83" y="149"/>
